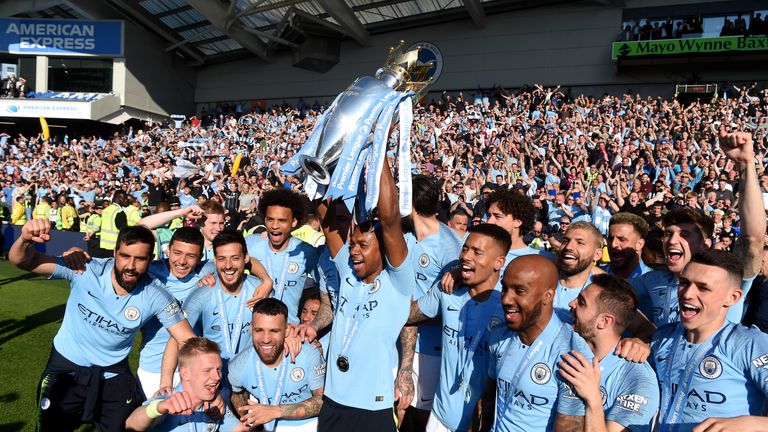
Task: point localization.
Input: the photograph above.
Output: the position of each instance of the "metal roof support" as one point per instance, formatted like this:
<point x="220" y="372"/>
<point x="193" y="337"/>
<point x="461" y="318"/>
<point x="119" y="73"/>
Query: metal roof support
<point x="343" y="14"/>
<point x="216" y="13"/>
<point x="128" y="9"/>
<point x="476" y="12"/>
<point x="11" y="8"/>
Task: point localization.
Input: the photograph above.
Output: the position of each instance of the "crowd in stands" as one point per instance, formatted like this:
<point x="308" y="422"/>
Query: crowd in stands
<point x="14" y="87"/>
<point x="579" y="158"/>
<point x="691" y="26"/>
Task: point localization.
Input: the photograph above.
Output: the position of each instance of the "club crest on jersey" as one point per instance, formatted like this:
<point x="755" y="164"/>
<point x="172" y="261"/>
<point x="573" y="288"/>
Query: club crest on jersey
<point x="493" y="322"/>
<point x="424" y="260"/>
<point x="132" y="313"/>
<point x="540" y="373"/>
<point x="297" y="374"/>
<point x="375" y="287"/>
<point x="45" y="403"/>
<point x="711" y="367"/>
<point x="293" y="267"/>
<point x="211" y="427"/>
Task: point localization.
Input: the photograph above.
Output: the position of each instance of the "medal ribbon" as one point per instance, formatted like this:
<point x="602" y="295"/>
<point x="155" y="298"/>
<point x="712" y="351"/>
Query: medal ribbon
<point x="674" y="408"/>
<point x="530" y="353"/>
<point x="229" y="344"/>
<point x="280" y="289"/>
<point x="281" y="373"/>
<point x="468" y="353"/>
<point x="352" y="323"/>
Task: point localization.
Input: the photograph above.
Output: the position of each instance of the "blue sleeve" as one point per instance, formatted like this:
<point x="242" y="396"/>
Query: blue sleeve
<point x="194" y="305"/>
<point x="429" y="303"/>
<point x="236" y="368"/>
<point x="494" y="348"/>
<point x="637" y="401"/>
<point x="756" y="357"/>
<point x="316" y="372"/>
<point x="568" y="402"/>
<point x="403" y="277"/>
<point x="342" y="262"/>
<point x="166" y="308"/>
<point x="208" y="268"/>
<point x="61" y="272"/>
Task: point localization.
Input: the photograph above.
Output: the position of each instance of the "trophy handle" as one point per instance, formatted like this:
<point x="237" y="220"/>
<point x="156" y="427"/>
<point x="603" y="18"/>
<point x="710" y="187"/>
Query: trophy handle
<point x="316" y="169"/>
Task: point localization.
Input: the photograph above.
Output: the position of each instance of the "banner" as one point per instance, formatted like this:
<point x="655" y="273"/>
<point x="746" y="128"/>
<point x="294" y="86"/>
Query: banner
<point x="45" y="108"/>
<point x="677" y="47"/>
<point x="57" y="37"/>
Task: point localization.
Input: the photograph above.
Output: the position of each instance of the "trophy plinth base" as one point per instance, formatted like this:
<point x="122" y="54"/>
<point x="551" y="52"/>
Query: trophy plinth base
<point x="314" y="168"/>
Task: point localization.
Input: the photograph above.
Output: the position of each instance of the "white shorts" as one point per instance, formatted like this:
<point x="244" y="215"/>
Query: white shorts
<point x="150" y="381"/>
<point x="434" y="425"/>
<point x="426" y="374"/>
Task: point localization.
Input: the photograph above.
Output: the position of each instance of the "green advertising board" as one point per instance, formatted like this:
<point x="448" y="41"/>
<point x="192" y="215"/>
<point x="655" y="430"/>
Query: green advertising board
<point x="677" y="47"/>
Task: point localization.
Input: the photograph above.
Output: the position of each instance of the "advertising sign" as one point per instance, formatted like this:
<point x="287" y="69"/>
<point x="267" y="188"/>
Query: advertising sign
<point x="55" y="37"/>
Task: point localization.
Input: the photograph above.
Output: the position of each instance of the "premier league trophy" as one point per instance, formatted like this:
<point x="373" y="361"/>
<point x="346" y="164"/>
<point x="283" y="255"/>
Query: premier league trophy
<point x="354" y="131"/>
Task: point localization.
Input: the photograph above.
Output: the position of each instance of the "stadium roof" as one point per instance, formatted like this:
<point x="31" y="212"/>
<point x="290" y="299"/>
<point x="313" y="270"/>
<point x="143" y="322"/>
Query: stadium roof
<point x="214" y="31"/>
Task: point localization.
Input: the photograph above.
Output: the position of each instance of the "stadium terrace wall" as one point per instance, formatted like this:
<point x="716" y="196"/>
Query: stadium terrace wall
<point x="567" y="44"/>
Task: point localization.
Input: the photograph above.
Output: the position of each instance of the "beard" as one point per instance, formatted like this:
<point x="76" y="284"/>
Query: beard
<point x="581" y="265"/>
<point x="529" y="319"/>
<point x="124" y="284"/>
<point x="585" y="330"/>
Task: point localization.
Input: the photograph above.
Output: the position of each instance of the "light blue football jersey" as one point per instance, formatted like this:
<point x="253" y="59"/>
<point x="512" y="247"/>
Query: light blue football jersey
<point x="293" y="381"/>
<point x="728" y="374"/>
<point x="198" y="421"/>
<point x="99" y="326"/>
<point x="630" y="394"/>
<point x="431" y="258"/>
<point x="563" y="296"/>
<point x="466" y="326"/>
<point x="224" y="318"/>
<point x="528" y="385"/>
<point x="659" y="289"/>
<point x="380" y="309"/>
<point x="288" y="269"/>
<point x="154" y="337"/>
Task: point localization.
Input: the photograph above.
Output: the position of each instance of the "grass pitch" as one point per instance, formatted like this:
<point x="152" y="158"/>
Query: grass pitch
<point x="31" y="310"/>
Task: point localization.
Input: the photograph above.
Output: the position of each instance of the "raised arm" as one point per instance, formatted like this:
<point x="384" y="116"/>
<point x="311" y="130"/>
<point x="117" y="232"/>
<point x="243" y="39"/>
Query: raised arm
<point x="23" y="253"/>
<point x="159" y="219"/>
<point x="389" y="214"/>
<point x="335" y="230"/>
<point x="739" y="147"/>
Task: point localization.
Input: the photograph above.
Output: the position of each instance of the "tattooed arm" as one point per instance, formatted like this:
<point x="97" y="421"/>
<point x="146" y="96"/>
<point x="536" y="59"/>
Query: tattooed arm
<point x="239" y="400"/>
<point x="258" y="414"/>
<point x="566" y="423"/>
<point x="404" y="387"/>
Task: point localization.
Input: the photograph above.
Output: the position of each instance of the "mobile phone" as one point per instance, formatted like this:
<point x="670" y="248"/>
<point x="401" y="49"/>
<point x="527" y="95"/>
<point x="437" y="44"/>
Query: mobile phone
<point x="552" y="192"/>
<point x="576" y="195"/>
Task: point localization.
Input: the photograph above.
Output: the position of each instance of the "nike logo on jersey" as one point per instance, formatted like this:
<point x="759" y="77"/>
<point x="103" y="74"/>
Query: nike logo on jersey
<point x="425" y="400"/>
<point x="92" y="295"/>
<point x="452" y="309"/>
<point x="660" y="359"/>
<point x="128" y="401"/>
<point x="215" y="313"/>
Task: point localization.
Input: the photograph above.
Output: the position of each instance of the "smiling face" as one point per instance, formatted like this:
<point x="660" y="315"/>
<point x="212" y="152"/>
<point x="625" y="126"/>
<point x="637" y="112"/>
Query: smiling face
<point x="585" y="310"/>
<point x="213" y="225"/>
<point x="183" y="258"/>
<point x="525" y="297"/>
<point x="365" y="255"/>
<point x="624" y="246"/>
<point x="309" y="311"/>
<point x="578" y="251"/>
<point x="201" y="376"/>
<point x="279" y="222"/>
<point x="480" y="258"/>
<point x="131" y="264"/>
<point x="680" y="242"/>
<point x="230" y="265"/>
<point x="705" y="293"/>
<point x="268" y="333"/>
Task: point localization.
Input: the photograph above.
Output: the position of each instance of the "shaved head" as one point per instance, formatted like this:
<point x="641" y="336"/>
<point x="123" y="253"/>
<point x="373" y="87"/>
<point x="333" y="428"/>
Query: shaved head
<point x="527" y="292"/>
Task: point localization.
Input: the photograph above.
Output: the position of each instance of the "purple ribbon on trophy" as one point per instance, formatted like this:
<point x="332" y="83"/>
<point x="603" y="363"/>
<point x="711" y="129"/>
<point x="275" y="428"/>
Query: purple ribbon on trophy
<point x="354" y="133"/>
